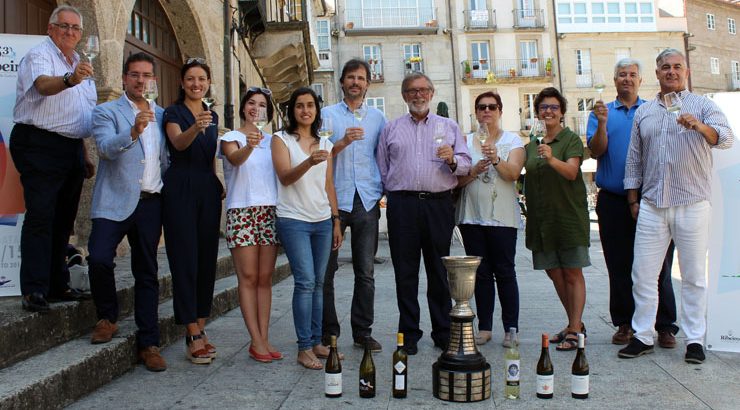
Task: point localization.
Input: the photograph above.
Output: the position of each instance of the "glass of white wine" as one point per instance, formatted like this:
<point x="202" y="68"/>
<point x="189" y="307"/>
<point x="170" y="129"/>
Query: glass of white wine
<point x="360" y="113"/>
<point x="439" y="136"/>
<point x="599" y="83"/>
<point x="260" y="121"/>
<point x="325" y="131"/>
<point x="151" y="91"/>
<point x="673" y="104"/>
<point x="538" y="130"/>
<point x="91" y="50"/>
<point x="481" y="134"/>
<point x="209" y="100"/>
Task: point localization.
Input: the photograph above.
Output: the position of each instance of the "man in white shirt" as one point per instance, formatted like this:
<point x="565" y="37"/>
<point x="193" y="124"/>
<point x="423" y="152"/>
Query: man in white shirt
<point x="126" y="202"/>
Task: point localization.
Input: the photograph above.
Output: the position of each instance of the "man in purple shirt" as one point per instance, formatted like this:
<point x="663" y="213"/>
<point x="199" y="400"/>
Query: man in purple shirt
<point x="420" y="156"/>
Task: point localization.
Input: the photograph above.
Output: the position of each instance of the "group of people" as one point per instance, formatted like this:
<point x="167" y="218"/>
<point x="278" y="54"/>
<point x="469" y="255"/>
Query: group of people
<point x="156" y="173"/>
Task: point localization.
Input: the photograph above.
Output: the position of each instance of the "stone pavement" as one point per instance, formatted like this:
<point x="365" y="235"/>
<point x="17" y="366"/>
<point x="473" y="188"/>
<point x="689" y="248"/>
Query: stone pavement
<point x="234" y="381"/>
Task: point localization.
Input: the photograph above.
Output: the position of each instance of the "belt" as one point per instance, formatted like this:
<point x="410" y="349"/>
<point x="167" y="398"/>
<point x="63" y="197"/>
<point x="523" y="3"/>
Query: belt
<point x="148" y="195"/>
<point x="424" y="194"/>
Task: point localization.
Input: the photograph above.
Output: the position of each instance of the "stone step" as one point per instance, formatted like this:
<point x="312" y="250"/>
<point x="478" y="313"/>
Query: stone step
<point x="24" y="334"/>
<point x="63" y="373"/>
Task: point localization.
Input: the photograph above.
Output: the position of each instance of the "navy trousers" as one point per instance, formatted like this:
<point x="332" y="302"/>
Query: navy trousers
<point x="52" y="171"/>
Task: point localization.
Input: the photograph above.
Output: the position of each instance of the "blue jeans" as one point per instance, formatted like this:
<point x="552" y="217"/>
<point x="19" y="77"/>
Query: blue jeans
<point x="307" y="246"/>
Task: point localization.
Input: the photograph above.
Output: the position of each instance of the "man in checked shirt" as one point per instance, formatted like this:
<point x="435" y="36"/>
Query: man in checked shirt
<point x="670" y="158"/>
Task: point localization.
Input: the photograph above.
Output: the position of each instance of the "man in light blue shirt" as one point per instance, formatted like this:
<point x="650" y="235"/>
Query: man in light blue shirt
<point x="356" y="130"/>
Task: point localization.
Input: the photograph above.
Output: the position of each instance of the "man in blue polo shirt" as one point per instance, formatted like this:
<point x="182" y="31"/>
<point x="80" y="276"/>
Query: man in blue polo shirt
<point x="356" y="129"/>
<point x="609" y="128"/>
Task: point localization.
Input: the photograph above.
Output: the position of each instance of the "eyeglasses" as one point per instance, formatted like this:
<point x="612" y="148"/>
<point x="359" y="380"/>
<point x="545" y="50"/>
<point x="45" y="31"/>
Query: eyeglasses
<point x="491" y="107"/>
<point x="67" y="27"/>
<point x="264" y="91"/>
<point x="136" y="76"/>
<point x="417" y="91"/>
<point x="198" y="60"/>
<point x="551" y="107"/>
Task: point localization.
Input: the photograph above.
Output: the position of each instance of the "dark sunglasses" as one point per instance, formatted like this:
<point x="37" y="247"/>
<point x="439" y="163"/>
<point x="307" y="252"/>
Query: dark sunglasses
<point x="265" y="91"/>
<point x="491" y="107"/>
<point x="198" y="60"/>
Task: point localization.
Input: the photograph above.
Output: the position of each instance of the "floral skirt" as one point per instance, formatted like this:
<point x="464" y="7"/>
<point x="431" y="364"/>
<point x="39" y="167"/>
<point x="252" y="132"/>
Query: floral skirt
<point x="250" y="226"/>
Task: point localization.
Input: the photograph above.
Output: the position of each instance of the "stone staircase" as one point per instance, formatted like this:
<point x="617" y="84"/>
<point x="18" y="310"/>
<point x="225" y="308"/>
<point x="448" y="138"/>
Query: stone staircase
<point x="47" y="361"/>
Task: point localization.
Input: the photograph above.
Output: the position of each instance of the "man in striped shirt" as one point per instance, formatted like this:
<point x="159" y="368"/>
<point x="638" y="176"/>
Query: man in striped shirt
<point x="670" y="160"/>
<point x="52" y="115"/>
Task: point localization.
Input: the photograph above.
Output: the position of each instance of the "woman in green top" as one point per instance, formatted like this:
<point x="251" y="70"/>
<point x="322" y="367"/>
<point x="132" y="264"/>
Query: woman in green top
<point x="557" y="216"/>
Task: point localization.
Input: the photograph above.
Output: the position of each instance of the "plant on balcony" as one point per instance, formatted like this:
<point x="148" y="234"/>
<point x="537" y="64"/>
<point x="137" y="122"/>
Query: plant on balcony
<point x="349" y="25"/>
<point x="512" y="72"/>
<point x="533" y="60"/>
<point x="483" y="61"/>
<point x="415" y="60"/>
<point x="490" y="77"/>
<point x="548" y="67"/>
<point x="443" y="110"/>
<point x="468" y="73"/>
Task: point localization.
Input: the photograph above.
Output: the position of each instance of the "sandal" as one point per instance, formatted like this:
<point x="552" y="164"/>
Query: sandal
<point x="560" y="336"/>
<point x="211" y="348"/>
<point x="569" y="343"/>
<point x="199" y="356"/>
<point x="309" y="360"/>
<point x="483" y="337"/>
<point x="322" y="355"/>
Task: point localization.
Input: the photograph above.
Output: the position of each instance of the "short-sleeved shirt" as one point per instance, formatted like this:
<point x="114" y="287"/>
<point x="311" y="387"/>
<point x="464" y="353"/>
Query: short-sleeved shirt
<point x="557" y="212"/>
<point x="252" y="183"/>
<point x="610" y="166"/>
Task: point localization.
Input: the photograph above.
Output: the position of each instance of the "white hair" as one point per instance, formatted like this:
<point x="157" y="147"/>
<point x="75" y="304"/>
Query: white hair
<point x="667" y="52"/>
<point x="628" y="62"/>
<point x="54" y="18"/>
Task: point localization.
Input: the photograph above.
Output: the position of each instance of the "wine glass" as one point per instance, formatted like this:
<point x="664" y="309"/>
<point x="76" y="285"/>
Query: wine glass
<point x="151" y="92"/>
<point x="360" y="113"/>
<point x="325" y="131"/>
<point x="599" y="83"/>
<point x="209" y="100"/>
<point x="91" y="50"/>
<point x="438" y="136"/>
<point x="672" y="103"/>
<point x="260" y="120"/>
<point x="538" y="130"/>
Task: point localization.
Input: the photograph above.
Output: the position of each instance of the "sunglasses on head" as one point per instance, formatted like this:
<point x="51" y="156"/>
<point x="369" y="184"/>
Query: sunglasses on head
<point x="198" y="60"/>
<point x="491" y="107"/>
<point x="264" y="91"/>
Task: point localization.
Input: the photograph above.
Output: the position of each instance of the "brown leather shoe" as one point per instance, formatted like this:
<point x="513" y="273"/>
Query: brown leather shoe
<point x="623" y="335"/>
<point x="153" y="361"/>
<point x="103" y="332"/>
<point x="666" y="340"/>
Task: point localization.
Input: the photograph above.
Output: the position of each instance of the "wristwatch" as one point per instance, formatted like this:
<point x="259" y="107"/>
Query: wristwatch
<point x="66" y="78"/>
<point x="498" y="161"/>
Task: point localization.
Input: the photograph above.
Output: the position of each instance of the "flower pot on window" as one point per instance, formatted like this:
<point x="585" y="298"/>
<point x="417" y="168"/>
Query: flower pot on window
<point x="349" y="25"/>
<point x="512" y="72"/>
<point x="533" y="60"/>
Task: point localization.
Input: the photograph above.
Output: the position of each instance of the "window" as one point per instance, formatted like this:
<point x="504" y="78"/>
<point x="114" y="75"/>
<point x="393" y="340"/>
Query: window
<point x="714" y="65"/>
<point x="585" y="104"/>
<point x="371" y="53"/>
<point x="412" y="58"/>
<point x="390" y="13"/>
<point x="564" y="14"/>
<point x="620" y="53"/>
<point x="579" y="13"/>
<point x="612" y="12"/>
<point x="598" y="12"/>
<point x="527" y="113"/>
<point x="480" y="57"/>
<point x="735" y="76"/>
<point x="323" y="37"/>
<point x="376" y="102"/>
<point x="318" y="88"/>
<point x="710" y="21"/>
<point x="731" y="25"/>
<point x="583" y="68"/>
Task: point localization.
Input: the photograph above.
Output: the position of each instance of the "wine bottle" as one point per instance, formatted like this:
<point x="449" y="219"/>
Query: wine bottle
<point x="400" y="370"/>
<point x="512" y="360"/>
<point x="579" y="373"/>
<point x="367" y="373"/>
<point x="333" y="372"/>
<point x="545" y="373"/>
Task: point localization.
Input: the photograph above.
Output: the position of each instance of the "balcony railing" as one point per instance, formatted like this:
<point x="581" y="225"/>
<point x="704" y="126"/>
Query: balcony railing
<point x="390" y="17"/>
<point x="585" y="79"/>
<point x="505" y="68"/>
<point x="528" y="18"/>
<point x="376" y="70"/>
<point x="413" y="64"/>
<point x="480" y="19"/>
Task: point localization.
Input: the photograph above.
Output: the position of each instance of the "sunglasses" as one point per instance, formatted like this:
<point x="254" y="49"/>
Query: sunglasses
<point x="198" y="60"/>
<point x="491" y="107"/>
<point x="551" y="107"/>
<point x="265" y="91"/>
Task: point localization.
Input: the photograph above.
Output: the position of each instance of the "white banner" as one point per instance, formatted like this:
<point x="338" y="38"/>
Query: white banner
<point x="723" y="325"/>
<point x="12" y="48"/>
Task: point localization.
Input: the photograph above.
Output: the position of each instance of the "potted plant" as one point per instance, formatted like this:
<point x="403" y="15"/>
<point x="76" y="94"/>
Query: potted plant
<point x="512" y="72"/>
<point x="533" y="60"/>
<point x="349" y="25"/>
<point x="548" y="67"/>
<point x="468" y="73"/>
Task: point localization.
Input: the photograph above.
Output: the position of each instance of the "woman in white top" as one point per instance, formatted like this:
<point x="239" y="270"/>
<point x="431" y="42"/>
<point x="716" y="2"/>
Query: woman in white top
<point x="488" y="216"/>
<point x="307" y="217"/>
<point x="251" y="199"/>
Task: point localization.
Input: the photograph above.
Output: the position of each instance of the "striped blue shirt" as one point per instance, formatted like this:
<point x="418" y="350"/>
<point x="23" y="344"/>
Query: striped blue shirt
<point x="67" y="113"/>
<point x="674" y="168"/>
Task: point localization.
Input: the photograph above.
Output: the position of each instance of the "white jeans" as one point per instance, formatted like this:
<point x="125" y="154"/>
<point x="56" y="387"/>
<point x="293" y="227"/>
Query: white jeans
<point x="688" y="226"/>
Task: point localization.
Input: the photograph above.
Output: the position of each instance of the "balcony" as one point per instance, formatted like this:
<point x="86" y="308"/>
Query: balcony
<point x="276" y="33"/>
<point x="376" y="70"/>
<point x="390" y="21"/>
<point x="506" y="70"/>
<point x="585" y="79"/>
<point x="529" y="19"/>
<point x="480" y="20"/>
<point x="413" y="64"/>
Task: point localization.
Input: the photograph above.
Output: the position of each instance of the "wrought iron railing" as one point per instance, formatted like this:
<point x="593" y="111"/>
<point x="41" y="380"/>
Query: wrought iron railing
<point x="480" y="19"/>
<point x="506" y="68"/>
<point x="376" y="69"/>
<point x="529" y="18"/>
<point x="584" y="79"/>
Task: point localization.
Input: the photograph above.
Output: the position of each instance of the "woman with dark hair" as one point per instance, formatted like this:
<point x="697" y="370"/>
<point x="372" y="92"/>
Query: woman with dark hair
<point x="557" y="216"/>
<point x="251" y="197"/>
<point x="488" y="216"/>
<point x="307" y="217"/>
<point x="191" y="207"/>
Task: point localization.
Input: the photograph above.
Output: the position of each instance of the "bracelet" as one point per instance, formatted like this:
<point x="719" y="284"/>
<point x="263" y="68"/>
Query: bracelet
<point x="498" y="161"/>
<point x="334" y="217"/>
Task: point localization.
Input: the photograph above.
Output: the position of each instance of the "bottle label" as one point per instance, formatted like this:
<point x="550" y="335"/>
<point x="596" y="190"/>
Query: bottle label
<point x="512" y="371"/>
<point x="399" y="366"/>
<point x="579" y="384"/>
<point x="333" y="383"/>
<point x="545" y="384"/>
<point x="367" y="385"/>
<point x="399" y="382"/>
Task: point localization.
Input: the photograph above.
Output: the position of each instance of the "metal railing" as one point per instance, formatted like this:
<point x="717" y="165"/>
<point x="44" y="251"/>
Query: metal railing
<point x="480" y="19"/>
<point x="410" y="66"/>
<point x="390" y="17"/>
<point x="505" y="68"/>
<point x="529" y="18"/>
<point x="585" y="79"/>
<point x="282" y="11"/>
<point x="376" y="69"/>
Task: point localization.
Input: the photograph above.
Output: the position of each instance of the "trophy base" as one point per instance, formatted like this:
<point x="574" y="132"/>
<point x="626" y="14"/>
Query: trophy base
<point x="461" y="386"/>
